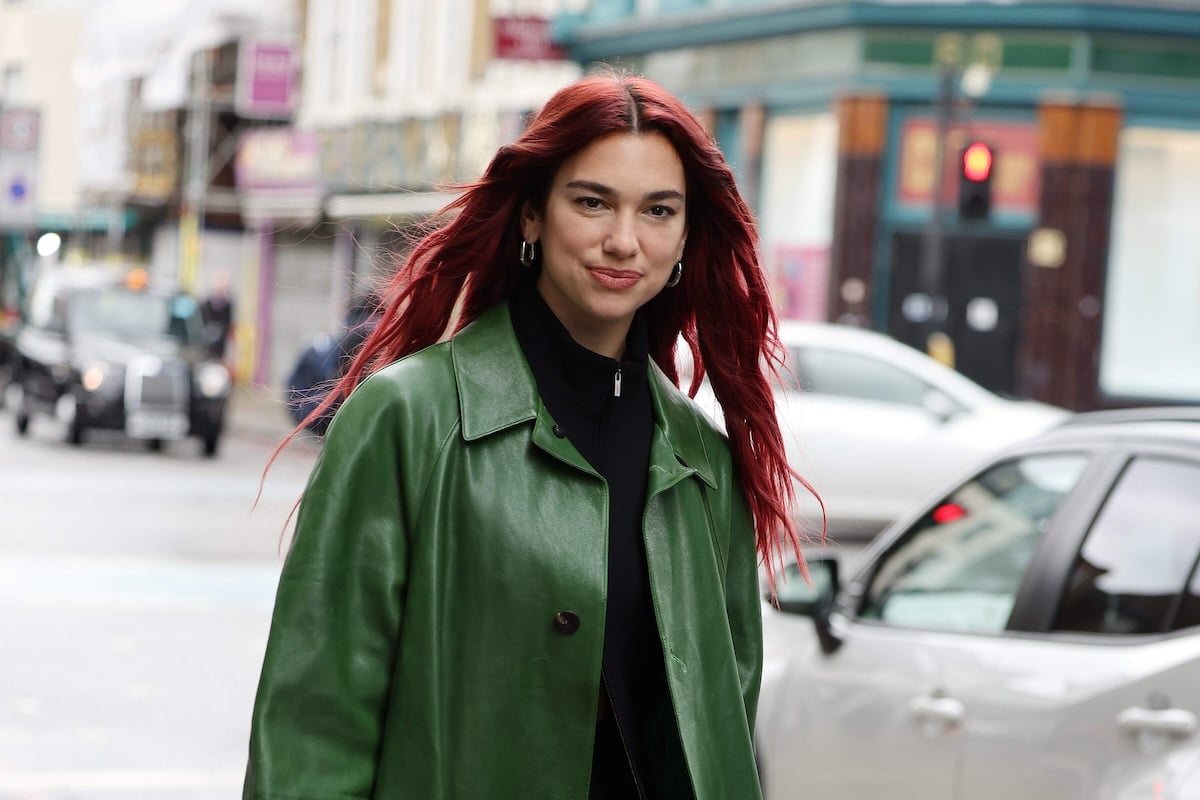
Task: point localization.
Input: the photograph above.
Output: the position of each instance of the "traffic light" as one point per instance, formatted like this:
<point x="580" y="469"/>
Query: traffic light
<point x="975" y="180"/>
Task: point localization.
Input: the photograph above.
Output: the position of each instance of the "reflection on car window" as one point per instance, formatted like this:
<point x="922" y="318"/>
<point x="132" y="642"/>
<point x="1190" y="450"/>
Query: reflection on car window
<point x="959" y="568"/>
<point x="843" y="374"/>
<point x="1134" y="564"/>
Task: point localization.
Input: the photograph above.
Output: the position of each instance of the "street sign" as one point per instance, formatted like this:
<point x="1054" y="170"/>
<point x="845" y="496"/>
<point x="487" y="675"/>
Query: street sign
<point x="20" y="131"/>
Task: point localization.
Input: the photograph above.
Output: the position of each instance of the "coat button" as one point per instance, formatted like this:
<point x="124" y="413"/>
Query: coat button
<point x="559" y="432"/>
<point x="566" y="622"/>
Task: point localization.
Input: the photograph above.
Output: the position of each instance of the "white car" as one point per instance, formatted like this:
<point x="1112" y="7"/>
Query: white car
<point x="1032" y="632"/>
<point x="875" y="425"/>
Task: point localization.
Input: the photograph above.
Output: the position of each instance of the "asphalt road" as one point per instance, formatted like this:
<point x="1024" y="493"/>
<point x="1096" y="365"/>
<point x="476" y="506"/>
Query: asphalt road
<point x="135" y="594"/>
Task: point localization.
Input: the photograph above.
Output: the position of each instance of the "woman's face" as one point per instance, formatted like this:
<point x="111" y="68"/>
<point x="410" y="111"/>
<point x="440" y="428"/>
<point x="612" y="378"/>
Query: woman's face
<point x="613" y="226"/>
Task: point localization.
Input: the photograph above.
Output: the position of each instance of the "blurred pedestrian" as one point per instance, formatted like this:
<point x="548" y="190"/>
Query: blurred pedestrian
<point x="324" y="360"/>
<point x="216" y="309"/>
<point x="525" y="564"/>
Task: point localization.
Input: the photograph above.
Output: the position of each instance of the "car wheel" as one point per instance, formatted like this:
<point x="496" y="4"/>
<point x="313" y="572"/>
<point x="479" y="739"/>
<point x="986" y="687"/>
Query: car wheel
<point x="211" y="443"/>
<point x="154" y="445"/>
<point x="20" y="411"/>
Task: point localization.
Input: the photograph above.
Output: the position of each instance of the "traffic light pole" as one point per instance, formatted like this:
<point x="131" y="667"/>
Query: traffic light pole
<point x="931" y="275"/>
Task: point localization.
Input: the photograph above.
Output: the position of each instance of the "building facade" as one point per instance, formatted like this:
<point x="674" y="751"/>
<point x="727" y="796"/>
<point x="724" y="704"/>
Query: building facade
<point x="846" y="120"/>
<point x="39" y="172"/>
<point x="399" y="102"/>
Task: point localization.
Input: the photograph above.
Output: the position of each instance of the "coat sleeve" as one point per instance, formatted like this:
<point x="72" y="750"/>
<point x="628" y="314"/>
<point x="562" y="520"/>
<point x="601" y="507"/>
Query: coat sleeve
<point x="743" y="606"/>
<point x="326" y="675"/>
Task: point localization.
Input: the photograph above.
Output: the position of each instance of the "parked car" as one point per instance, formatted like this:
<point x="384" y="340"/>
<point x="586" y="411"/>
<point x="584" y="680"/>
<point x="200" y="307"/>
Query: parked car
<point x="1032" y="632"/>
<point x="875" y="425"/>
<point x="105" y="350"/>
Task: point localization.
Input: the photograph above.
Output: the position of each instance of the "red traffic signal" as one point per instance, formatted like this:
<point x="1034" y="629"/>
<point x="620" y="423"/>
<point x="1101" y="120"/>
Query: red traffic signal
<point x="977" y="162"/>
<point x="975" y="181"/>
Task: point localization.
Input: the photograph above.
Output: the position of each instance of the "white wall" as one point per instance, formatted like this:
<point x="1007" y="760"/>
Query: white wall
<point x="799" y="180"/>
<point x="1151" y="341"/>
<point x="41" y="39"/>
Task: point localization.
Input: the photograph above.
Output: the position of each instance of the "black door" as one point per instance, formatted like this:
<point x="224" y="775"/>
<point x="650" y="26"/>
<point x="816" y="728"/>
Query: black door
<point x="983" y="302"/>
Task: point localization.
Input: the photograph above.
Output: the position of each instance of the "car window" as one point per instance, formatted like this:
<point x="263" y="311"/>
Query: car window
<point x="843" y="374"/>
<point x="960" y="566"/>
<point x="133" y="313"/>
<point x="1135" y="563"/>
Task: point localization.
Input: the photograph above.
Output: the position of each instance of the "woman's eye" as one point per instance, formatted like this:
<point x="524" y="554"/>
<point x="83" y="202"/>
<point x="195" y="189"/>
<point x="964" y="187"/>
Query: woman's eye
<point x="590" y="203"/>
<point x="662" y="211"/>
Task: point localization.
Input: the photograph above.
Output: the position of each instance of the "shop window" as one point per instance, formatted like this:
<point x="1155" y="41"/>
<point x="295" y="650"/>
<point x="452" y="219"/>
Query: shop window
<point x="1151" y="340"/>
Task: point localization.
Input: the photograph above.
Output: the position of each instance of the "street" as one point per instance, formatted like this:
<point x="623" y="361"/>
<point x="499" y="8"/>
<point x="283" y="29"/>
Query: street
<point x="135" y="594"/>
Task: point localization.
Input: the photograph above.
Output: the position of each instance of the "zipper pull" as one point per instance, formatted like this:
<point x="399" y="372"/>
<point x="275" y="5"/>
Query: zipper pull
<point x="617" y="383"/>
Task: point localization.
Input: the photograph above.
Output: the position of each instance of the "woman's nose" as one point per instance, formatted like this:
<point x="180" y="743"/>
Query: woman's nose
<point x="622" y="238"/>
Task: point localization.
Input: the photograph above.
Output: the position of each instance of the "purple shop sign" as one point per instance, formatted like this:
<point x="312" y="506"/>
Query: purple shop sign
<point x="266" y="80"/>
<point x="278" y="158"/>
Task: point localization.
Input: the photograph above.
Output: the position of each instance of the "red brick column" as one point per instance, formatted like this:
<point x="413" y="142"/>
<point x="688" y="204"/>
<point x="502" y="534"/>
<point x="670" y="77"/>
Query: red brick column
<point x="1059" y="353"/>
<point x="862" y="140"/>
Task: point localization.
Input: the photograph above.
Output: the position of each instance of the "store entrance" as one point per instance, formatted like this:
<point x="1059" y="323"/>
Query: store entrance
<point x="984" y="292"/>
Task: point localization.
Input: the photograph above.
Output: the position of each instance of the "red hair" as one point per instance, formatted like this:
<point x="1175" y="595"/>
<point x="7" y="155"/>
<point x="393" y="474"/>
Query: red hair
<point x="466" y="262"/>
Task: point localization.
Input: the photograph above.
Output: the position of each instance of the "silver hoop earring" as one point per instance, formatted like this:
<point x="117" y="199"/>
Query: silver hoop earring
<point x="528" y="253"/>
<point x="676" y="274"/>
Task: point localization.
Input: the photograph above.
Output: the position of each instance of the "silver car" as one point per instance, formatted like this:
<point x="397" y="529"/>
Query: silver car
<point x="1034" y="633"/>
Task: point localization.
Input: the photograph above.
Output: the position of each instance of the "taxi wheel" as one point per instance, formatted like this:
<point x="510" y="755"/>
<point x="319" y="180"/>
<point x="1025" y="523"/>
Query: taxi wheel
<point x="20" y="412"/>
<point x="211" y="443"/>
<point x="154" y="445"/>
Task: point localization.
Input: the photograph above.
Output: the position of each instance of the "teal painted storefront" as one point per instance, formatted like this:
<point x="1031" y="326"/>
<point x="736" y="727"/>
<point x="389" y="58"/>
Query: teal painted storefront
<point x="798" y="59"/>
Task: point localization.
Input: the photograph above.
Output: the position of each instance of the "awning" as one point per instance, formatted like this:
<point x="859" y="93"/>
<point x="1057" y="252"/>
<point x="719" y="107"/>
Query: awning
<point x="387" y="204"/>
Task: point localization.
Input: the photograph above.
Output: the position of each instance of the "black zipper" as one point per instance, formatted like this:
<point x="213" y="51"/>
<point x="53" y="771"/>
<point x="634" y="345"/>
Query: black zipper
<point x="612" y="707"/>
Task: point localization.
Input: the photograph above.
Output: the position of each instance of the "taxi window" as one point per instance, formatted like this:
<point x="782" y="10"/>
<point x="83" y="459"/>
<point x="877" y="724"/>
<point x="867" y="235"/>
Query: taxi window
<point x="1132" y="571"/>
<point x="126" y="313"/>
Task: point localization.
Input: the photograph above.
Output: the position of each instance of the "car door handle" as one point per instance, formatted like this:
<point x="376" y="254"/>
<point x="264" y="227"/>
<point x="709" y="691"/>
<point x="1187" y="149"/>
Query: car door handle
<point x="1176" y="722"/>
<point x="932" y="707"/>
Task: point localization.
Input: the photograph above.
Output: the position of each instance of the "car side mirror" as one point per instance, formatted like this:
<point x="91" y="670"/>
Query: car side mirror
<point x="815" y="600"/>
<point x="939" y="406"/>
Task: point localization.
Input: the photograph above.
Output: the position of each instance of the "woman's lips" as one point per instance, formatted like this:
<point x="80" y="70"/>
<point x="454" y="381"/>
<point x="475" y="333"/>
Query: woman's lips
<point x="614" y="278"/>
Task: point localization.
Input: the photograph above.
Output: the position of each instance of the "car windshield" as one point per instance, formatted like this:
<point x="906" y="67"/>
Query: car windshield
<point x="134" y="314"/>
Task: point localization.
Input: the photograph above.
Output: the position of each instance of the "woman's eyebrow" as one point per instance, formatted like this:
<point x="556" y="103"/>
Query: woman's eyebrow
<point x="607" y="191"/>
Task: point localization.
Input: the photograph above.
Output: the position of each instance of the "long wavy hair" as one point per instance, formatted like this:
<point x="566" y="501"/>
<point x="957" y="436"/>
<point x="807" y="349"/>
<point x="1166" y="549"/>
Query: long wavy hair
<point x="466" y="261"/>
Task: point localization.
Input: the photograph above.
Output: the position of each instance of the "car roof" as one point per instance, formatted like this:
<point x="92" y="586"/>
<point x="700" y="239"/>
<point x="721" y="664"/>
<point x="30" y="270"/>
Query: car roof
<point x="1178" y="423"/>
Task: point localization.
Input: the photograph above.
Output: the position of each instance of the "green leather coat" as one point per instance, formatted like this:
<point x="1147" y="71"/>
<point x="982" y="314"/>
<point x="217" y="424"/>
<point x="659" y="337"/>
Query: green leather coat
<point x="414" y="650"/>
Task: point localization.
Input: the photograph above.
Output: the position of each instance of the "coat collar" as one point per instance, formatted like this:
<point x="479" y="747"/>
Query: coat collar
<point x="496" y="390"/>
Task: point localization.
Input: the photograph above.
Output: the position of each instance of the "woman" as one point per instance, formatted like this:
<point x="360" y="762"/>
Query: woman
<point x="525" y="563"/>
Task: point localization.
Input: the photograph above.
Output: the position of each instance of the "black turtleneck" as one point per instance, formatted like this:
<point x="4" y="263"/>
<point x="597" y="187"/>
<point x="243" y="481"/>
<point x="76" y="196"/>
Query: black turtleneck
<point x="611" y="431"/>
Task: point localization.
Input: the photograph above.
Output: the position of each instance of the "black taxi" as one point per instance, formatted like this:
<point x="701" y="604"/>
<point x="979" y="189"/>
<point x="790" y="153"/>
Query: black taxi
<point x="107" y="349"/>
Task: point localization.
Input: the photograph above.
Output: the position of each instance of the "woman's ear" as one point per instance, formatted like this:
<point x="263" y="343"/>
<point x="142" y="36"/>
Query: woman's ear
<point x="531" y="222"/>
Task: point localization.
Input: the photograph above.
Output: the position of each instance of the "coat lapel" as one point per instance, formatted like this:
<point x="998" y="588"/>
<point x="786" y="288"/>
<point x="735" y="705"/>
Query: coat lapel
<point x="497" y="390"/>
